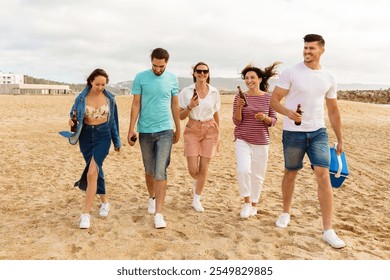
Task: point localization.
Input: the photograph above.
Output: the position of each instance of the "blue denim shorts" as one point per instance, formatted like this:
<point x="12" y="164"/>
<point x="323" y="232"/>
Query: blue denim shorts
<point x="156" y="152"/>
<point x="315" y="144"/>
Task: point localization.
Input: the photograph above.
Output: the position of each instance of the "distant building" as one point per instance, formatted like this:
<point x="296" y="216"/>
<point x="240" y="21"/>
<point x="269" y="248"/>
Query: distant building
<point x="34" y="89"/>
<point x="11" y="78"/>
<point x="11" y="83"/>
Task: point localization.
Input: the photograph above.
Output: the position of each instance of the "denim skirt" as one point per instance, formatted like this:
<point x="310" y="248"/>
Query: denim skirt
<point x="94" y="141"/>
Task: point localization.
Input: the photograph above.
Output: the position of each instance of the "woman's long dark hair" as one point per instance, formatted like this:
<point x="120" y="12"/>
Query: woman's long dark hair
<point x="95" y="73"/>
<point x="265" y="74"/>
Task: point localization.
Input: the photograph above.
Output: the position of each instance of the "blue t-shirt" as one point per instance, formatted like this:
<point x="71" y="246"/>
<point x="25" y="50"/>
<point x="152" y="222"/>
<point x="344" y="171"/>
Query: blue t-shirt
<point x="156" y="94"/>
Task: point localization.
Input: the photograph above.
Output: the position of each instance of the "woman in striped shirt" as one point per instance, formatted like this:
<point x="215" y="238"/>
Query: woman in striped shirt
<point x="251" y="134"/>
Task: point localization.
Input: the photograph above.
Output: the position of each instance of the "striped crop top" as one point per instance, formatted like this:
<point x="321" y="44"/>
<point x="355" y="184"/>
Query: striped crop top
<point x="102" y="112"/>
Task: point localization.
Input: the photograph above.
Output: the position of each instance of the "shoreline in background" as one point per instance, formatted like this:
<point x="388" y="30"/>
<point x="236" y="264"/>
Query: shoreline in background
<point x="366" y="96"/>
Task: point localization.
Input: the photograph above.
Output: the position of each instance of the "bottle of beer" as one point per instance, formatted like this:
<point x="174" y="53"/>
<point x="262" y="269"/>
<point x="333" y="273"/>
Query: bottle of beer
<point x="75" y="122"/>
<point x="133" y="138"/>
<point x="243" y="96"/>
<point x="299" y="111"/>
<point x="195" y="94"/>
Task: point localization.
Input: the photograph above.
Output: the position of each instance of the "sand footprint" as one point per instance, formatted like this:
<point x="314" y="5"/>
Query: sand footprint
<point x="137" y="219"/>
<point x="217" y="254"/>
<point x="75" y="249"/>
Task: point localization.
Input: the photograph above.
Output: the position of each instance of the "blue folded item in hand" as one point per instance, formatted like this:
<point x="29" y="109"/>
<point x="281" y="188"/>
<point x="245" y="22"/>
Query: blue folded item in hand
<point x="65" y="133"/>
<point x="338" y="168"/>
<point x="72" y="137"/>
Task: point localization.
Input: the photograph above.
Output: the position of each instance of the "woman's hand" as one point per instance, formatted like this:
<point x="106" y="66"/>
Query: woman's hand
<point x="193" y="102"/>
<point x="71" y="123"/>
<point x="260" y="116"/>
<point x="240" y="102"/>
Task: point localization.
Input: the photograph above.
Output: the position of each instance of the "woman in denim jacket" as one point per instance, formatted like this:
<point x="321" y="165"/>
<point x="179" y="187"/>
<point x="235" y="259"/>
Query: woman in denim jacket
<point x="98" y="125"/>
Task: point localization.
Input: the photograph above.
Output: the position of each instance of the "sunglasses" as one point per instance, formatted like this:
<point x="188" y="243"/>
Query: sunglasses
<point x="201" y="71"/>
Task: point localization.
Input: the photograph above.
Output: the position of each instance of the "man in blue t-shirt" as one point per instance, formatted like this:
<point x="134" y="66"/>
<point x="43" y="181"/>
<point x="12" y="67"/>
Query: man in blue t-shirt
<point x="155" y="102"/>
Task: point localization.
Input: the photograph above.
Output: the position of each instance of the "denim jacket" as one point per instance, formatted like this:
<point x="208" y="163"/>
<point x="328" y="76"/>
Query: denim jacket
<point x="113" y="122"/>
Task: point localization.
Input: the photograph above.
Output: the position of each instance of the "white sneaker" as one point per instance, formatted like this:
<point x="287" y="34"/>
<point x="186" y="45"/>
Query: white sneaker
<point x="197" y="206"/>
<point x="246" y="210"/>
<point x="85" y="221"/>
<point x="332" y="239"/>
<point x="283" y="220"/>
<point x="253" y="211"/>
<point x="159" y="221"/>
<point x="152" y="205"/>
<point x="104" y="209"/>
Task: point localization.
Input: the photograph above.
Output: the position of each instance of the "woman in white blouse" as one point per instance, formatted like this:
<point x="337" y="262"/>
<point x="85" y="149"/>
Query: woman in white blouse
<point x="201" y="134"/>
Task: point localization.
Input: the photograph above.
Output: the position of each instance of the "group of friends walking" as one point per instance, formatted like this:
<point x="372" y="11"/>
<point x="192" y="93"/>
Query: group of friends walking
<point x="158" y="106"/>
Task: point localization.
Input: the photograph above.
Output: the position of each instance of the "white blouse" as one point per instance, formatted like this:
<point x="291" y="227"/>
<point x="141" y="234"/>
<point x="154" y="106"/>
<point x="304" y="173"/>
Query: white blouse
<point x="207" y="106"/>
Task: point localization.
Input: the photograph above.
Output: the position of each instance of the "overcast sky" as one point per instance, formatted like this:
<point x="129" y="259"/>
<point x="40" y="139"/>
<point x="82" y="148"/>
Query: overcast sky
<point x="65" y="40"/>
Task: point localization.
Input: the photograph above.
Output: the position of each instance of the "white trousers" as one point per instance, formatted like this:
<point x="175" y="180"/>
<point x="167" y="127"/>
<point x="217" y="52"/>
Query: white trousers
<point x="251" y="166"/>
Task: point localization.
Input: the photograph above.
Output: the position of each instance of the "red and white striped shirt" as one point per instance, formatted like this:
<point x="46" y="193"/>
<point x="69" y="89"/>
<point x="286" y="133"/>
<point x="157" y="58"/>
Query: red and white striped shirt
<point x="249" y="129"/>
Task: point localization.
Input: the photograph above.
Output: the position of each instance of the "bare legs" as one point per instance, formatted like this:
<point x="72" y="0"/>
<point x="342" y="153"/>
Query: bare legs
<point x="325" y="194"/>
<point x="92" y="176"/>
<point x="198" y="171"/>
<point x="150" y="184"/>
<point x="288" y="185"/>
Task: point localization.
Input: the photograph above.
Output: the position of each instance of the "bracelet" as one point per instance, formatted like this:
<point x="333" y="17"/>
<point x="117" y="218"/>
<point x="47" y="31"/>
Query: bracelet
<point x="188" y="107"/>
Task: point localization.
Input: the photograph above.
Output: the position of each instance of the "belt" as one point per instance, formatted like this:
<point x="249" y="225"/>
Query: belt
<point x="200" y="121"/>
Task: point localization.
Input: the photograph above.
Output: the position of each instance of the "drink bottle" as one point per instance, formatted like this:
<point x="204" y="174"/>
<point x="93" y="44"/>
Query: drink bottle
<point x="133" y="138"/>
<point x="243" y="96"/>
<point x="73" y="128"/>
<point x="195" y="94"/>
<point x="299" y="111"/>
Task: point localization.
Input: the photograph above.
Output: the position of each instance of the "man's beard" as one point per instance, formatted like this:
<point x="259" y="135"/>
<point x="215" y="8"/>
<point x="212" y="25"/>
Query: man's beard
<point x="158" y="74"/>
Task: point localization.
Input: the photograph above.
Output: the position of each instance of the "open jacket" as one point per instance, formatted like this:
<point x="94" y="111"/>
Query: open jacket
<point x="113" y="121"/>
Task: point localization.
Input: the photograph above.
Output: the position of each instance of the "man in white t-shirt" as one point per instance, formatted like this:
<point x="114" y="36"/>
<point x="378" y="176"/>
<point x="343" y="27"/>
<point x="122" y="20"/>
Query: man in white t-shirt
<point x="308" y="84"/>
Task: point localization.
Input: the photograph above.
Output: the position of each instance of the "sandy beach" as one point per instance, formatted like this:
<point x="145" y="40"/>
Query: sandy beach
<point x="40" y="208"/>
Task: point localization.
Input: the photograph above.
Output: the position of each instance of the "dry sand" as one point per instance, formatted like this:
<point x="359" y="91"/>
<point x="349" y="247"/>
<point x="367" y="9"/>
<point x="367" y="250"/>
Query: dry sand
<point x="40" y="208"/>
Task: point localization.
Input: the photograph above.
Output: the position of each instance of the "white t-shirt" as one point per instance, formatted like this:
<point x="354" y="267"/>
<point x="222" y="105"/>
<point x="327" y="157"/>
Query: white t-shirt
<point x="207" y="106"/>
<point x="309" y="88"/>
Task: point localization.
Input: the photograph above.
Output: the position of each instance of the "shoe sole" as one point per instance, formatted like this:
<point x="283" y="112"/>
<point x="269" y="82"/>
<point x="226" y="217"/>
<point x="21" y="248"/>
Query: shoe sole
<point x="334" y="247"/>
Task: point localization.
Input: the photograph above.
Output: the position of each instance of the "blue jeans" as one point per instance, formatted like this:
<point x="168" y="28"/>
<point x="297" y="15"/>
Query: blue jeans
<point x="314" y="143"/>
<point x="156" y="152"/>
